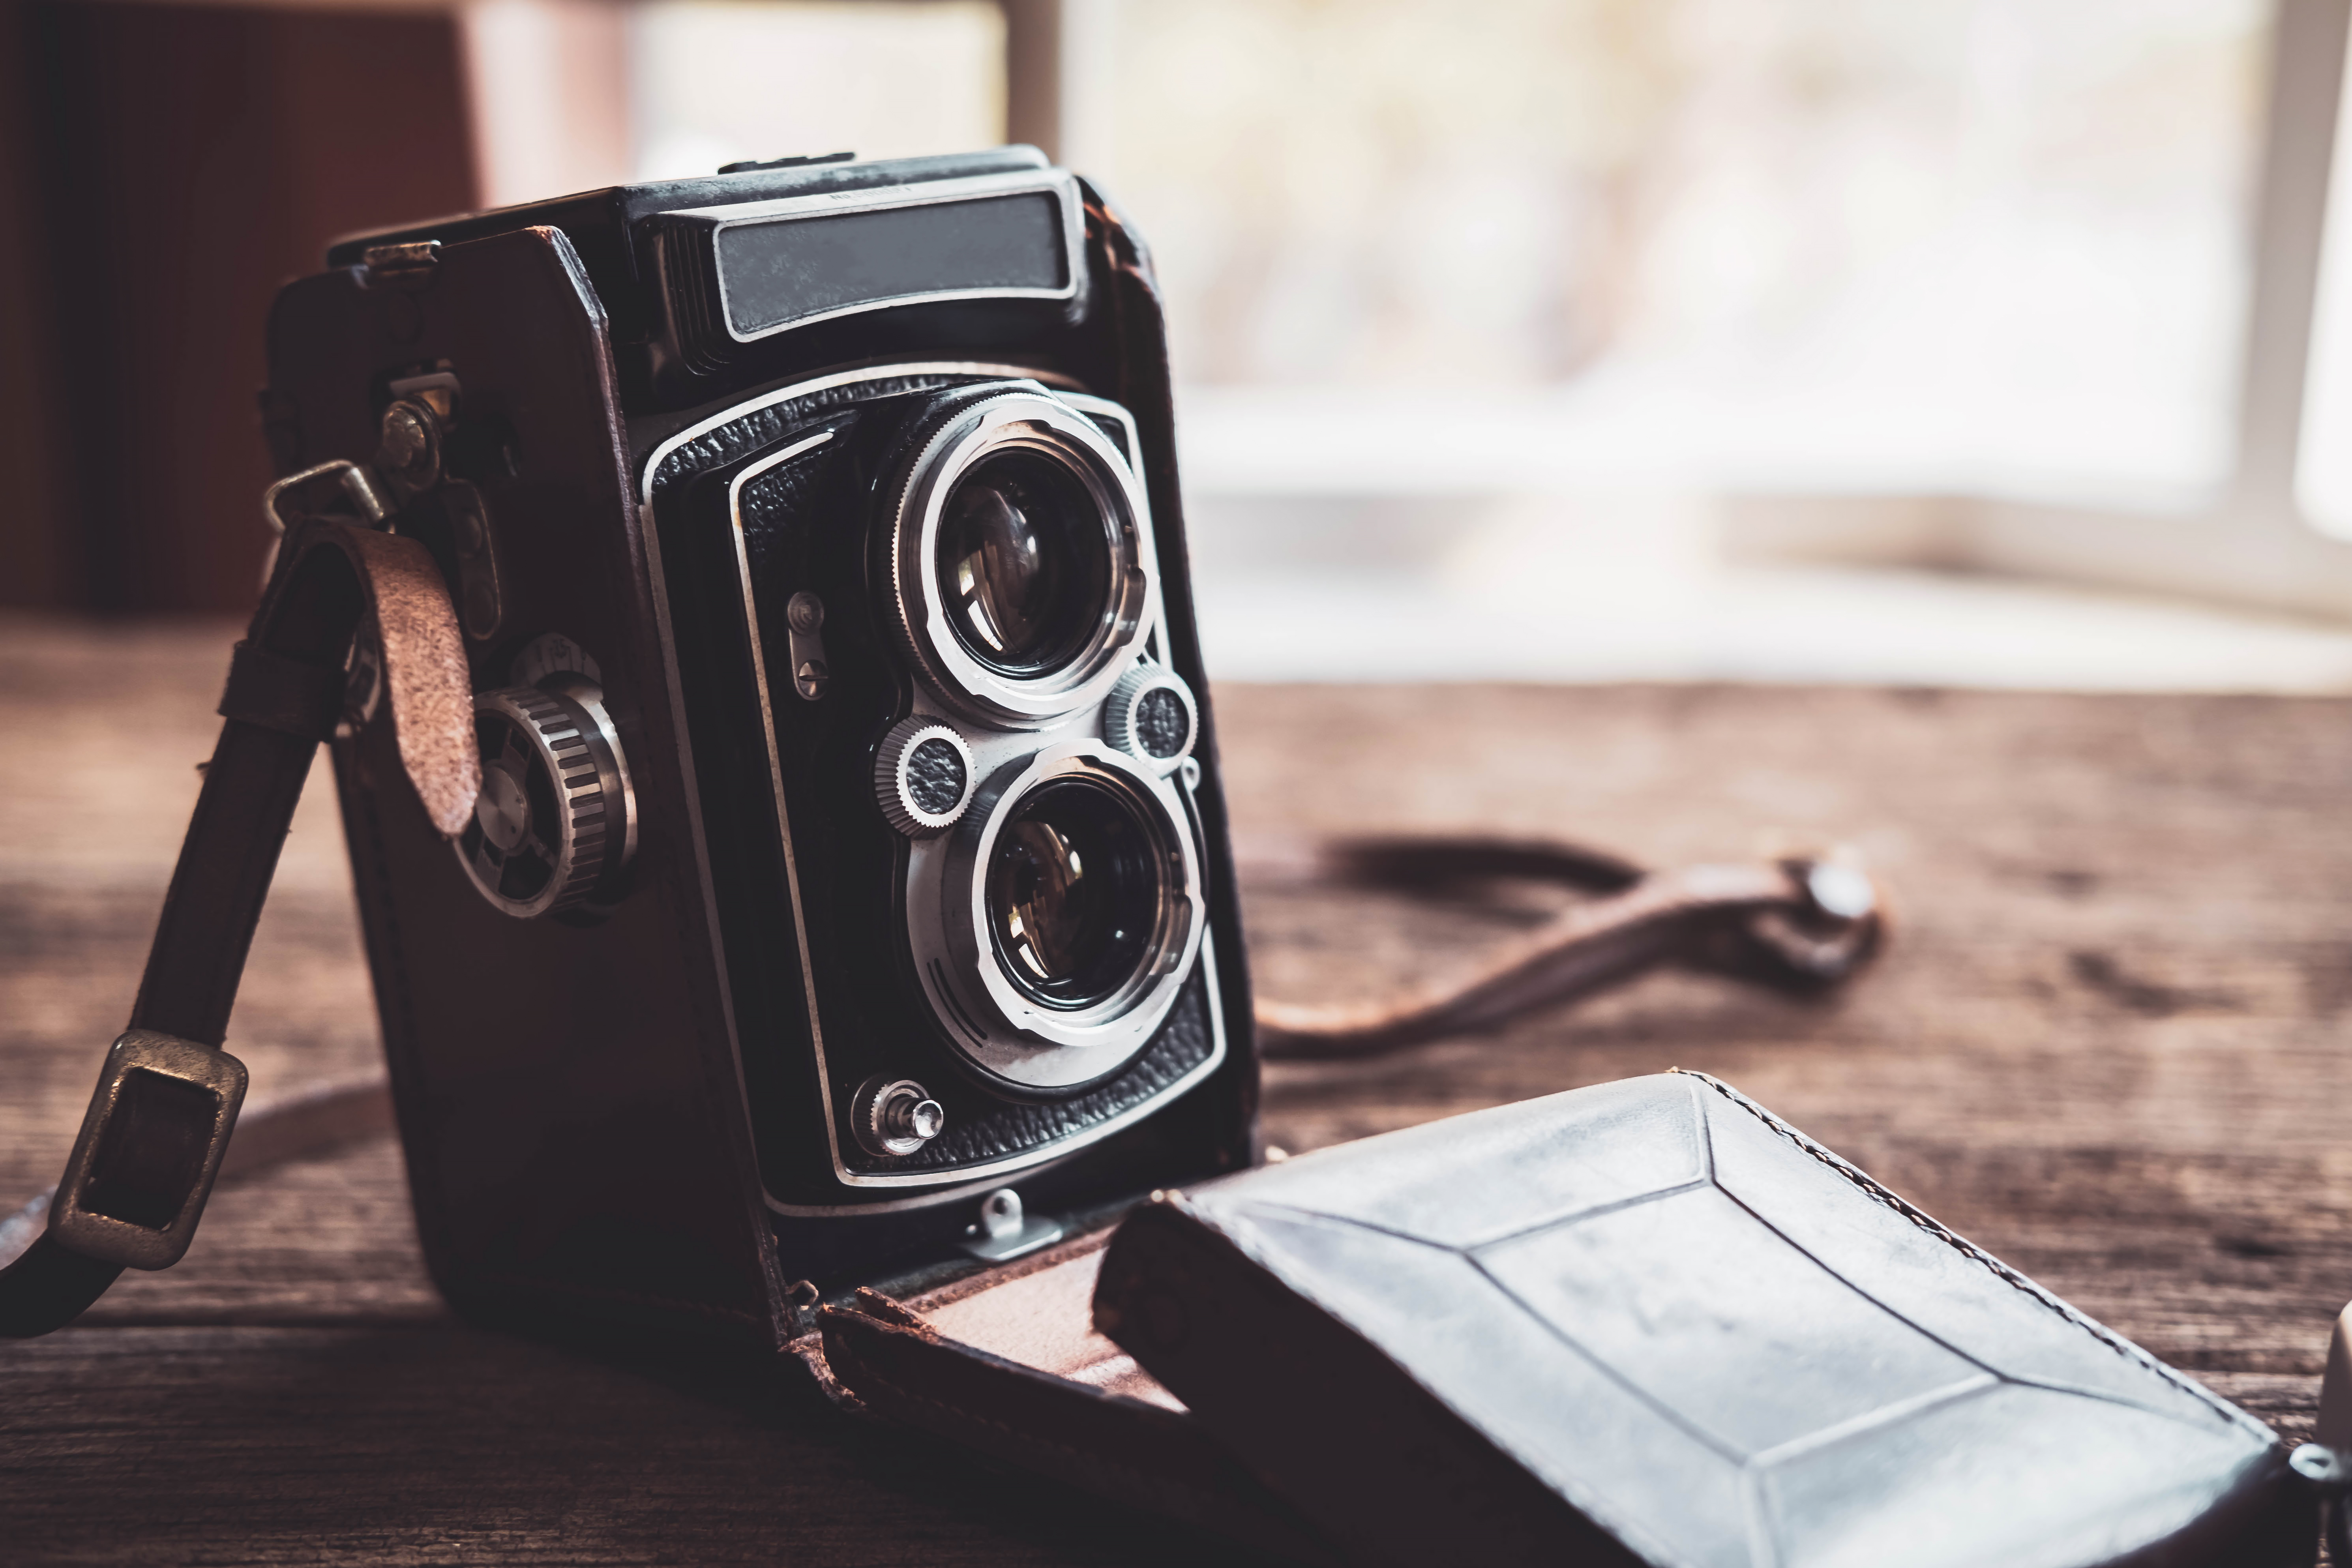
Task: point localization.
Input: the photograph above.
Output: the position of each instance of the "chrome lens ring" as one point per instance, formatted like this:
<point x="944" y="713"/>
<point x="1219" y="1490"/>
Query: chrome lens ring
<point x="1034" y="425"/>
<point x="1005" y="1022"/>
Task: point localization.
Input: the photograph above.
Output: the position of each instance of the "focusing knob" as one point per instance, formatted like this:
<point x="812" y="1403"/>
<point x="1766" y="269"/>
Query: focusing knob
<point x="554" y="822"/>
<point x="923" y="775"/>
<point x="1153" y="718"/>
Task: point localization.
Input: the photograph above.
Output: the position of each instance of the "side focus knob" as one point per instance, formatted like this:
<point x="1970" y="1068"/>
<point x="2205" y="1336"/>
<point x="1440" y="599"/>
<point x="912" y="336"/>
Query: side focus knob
<point x="1153" y="718"/>
<point x="555" y="821"/>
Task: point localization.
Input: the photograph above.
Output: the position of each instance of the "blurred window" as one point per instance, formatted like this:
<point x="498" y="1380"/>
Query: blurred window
<point x="718" y="83"/>
<point x="1995" y="246"/>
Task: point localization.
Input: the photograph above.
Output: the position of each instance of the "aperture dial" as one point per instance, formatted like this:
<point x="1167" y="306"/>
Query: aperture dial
<point x="554" y="824"/>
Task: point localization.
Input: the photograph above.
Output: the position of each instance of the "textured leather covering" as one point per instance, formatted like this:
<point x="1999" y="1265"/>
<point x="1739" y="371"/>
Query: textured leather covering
<point x="1182" y="1044"/>
<point x="1645" y="1321"/>
<point x="425" y="679"/>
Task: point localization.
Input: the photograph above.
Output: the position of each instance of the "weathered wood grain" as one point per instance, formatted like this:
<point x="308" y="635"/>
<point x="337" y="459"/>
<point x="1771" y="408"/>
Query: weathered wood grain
<point x="2111" y="1044"/>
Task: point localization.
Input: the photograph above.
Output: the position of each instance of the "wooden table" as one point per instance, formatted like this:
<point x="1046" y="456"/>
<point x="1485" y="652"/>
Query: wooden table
<point x="2110" y="1044"/>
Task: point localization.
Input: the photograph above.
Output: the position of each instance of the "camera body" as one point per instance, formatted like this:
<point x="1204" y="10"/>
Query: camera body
<point x="849" y="895"/>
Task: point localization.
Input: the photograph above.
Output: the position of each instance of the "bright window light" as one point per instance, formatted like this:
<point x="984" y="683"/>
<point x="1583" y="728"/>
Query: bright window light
<point x="2323" y="480"/>
<point x="729" y="83"/>
<point x="1992" y="247"/>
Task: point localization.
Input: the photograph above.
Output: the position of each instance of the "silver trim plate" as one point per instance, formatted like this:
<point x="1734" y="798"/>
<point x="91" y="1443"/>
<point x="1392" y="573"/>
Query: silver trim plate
<point x="962" y="1182"/>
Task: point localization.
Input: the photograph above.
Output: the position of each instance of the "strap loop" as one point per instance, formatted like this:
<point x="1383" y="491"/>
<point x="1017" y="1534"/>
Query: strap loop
<point x="291" y="696"/>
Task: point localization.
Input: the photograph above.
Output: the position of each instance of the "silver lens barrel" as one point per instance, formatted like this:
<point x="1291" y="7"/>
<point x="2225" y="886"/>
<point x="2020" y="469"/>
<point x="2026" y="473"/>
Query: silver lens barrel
<point x="1022" y="570"/>
<point x="1054" y="927"/>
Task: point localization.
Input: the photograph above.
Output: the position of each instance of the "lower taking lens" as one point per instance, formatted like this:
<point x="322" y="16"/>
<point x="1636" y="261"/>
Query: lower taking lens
<point x="1076" y="894"/>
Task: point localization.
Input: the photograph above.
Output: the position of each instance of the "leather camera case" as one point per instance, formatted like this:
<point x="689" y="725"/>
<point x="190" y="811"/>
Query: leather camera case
<point x="1643" y="1322"/>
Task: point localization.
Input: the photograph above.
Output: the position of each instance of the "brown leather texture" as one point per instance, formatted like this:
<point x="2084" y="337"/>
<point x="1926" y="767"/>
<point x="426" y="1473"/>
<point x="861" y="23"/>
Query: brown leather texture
<point x="426" y="684"/>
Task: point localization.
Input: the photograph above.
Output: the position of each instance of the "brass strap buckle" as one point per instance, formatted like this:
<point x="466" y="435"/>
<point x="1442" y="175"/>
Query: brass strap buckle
<point x="150" y="1147"/>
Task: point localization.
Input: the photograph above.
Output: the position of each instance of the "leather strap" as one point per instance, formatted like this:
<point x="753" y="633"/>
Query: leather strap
<point x="291" y="696"/>
<point x="1795" y="925"/>
<point x="285" y="681"/>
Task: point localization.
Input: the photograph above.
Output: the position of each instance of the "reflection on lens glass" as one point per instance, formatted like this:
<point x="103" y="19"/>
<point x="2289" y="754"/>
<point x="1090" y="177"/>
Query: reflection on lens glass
<point x="1024" y="562"/>
<point x="1074" y="893"/>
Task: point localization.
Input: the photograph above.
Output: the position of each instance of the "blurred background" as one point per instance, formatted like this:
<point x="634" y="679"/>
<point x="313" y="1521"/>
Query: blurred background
<point x="1955" y="341"/>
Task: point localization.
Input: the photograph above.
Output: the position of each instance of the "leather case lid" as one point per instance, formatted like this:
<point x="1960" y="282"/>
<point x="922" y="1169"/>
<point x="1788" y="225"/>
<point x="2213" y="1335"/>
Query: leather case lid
<point x="1646" y="1321"/>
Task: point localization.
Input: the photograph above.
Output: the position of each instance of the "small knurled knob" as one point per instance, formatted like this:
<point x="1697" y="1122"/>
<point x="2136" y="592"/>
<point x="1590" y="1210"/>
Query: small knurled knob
<point x="894" y="1116"/>
<point x="923" y="775"/>
<point x="551" y="824"/>
<point x="1153" y="718"/>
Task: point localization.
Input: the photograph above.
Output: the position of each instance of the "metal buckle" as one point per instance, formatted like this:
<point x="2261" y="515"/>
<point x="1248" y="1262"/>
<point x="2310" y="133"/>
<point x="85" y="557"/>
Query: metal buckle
<point x="340" y="488"/>
<point x="150" y="1147"/>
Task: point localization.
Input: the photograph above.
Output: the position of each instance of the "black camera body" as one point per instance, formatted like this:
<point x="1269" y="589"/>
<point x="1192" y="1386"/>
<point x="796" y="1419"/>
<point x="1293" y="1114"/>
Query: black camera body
<point x="849" y="895"/>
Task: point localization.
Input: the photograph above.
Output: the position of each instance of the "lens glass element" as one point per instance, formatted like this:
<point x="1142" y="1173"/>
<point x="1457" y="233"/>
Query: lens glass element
<point x="1076" y="893"/>
<point x="1024" y="562"/>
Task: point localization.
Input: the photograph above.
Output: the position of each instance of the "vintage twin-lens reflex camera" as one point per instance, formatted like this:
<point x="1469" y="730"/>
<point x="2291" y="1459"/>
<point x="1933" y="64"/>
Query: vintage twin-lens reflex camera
<point x="848" y="887"/>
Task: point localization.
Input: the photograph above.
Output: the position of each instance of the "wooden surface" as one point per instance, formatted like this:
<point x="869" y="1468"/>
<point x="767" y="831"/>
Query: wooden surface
<point x="2110" y="1044"/>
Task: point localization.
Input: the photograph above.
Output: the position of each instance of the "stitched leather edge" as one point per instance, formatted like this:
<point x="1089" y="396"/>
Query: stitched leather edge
<point x="1979" y="1256"/>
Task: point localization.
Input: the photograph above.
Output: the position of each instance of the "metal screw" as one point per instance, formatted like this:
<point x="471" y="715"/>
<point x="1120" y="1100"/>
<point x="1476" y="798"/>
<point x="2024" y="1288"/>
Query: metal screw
<point x="406" y="437"/>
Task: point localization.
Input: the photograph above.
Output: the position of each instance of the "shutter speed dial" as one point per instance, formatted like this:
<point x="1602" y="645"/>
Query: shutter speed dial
<point x="555" y="823"/>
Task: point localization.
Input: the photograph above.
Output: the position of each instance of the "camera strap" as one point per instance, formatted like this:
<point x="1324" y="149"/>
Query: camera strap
<point x="1802" y="923"/>
<point x="158" y="1126"/>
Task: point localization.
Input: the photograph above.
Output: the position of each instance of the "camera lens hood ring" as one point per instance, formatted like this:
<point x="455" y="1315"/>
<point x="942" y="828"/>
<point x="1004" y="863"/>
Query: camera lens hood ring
<point x="1019" y="417"/>
<point x="1000" y="1030"/>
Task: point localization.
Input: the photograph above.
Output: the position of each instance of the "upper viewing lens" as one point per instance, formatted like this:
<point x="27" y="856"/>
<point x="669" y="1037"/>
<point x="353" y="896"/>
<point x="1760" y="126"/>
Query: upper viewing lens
<point x="1074" y="893"/>
<point x="1024" y="562"/>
